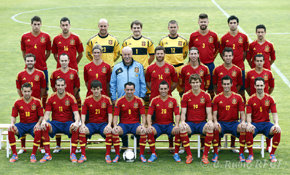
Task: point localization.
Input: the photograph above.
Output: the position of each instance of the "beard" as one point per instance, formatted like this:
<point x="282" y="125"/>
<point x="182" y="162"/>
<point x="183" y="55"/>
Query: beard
<point x="203" y="27"/>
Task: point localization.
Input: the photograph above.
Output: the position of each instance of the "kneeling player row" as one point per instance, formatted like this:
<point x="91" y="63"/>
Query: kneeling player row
<point x="196" y="109"/>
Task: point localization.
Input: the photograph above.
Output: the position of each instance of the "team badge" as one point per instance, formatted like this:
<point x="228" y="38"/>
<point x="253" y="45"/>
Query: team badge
<point x="179" y="43"/>
<point x="166" y="70"/>
<point x="201" y="72"/>
<point x="267" y="48"/>
<point x="143" y="43"/>
<point x="67" y="103"/>
<point x="110" y="42"/>
<point x="202" y="100"/>
<point x="103" y="105"/>
<point x="72" y="42"/>
<point x="33" y="106"/>
<point x="234" y="101"/>
<point x="170" y="104"/>
<point x="36" y="78"/>
<point x="71" y="76"/>
<point x="266" y="77"/>
<point x="42" y="39"/>
<point x="240" y="39"/>
<point x="210" y="39"/>
<point x="234" y="73"/>
<point x="104" y="70"/>
<point x="267" y="103"/>
<point x="135" y="105"/>
<point x="136" y="69"/>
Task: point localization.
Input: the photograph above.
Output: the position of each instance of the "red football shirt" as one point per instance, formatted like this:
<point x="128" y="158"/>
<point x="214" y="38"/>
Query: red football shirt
<point x="129" y="111"/>
<point x="266" y="49"/>
<point x="36" y="79"/>
<point x="163" y="110"/>
<point x="28" y="112"/>
<point x="260" y="108"/>
<point x="234" y="72"/>
<point x="228" y="107"/>
<point x="71" y="78"/>
<point x="36" y="45"/>
<point x="98" y="110"/>
<point x="196" y="106"/>
<point x="100" y="72"/>
<point x="188" y="70"/>
<point x="71" y="46"/>
<point x="156" y="74"/>
<point x="239" y="43"/>
<point x="252" y="75"/>
<point x="62" y="109"/>
<point x="207" y="45"/>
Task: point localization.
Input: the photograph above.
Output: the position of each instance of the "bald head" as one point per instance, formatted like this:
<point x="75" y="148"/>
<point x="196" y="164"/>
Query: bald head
<point x="103" y="27"/>
<point x="127" y="55"/>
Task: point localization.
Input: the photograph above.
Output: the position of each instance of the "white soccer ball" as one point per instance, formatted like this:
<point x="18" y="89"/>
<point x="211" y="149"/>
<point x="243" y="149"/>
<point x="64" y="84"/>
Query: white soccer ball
<point x="129" y="155"/>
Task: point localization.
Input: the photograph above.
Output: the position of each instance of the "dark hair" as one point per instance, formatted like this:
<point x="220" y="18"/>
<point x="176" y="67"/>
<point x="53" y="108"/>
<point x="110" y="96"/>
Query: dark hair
<point x="259" y="55"/>
<point x="129" y="84"/>
<point x="261" y="26"/>
<point x="136" y="22"/>
<point x="64" y="54"/>
<point x="26" y="85"/>
<point x="35" y="18"/>
<point x="59" y="79"/>
<point x="172" y="22"/>
<point x="259" y="79"/>
<point x="29" y="55"/>
<point x="202" y="16"/>
<point x="64" y="19"/>
<point x="194" y="77"/>
<point x="159" y="48"/>
<point x="233" y="17"/>
<point x="228" y="49"/>
<point x="194" y="48"/>
<point x="163" y="82"/>
<point x="96" y="84"/>
<point x="227" y="78"/>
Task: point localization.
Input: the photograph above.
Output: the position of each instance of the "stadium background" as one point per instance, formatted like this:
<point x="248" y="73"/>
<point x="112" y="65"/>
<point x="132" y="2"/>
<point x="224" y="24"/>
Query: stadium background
<point x="84" y="15"/>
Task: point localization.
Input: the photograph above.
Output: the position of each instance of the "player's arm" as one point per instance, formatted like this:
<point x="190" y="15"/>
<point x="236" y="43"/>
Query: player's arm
<point x="79" y="57"/>
<point x="151" y="59"/>
<point x="47" y="54"/>
<point x="12" y="125"/>
<point x="42" y="92"/>
<point x="148" y="85"/>
<point x="182" y="117"/>
<point x="173" y="86"/>
<point x="89" y="50"/>
<point x="248" y="90"/>
<point x="23" y="54"/>
<point x="149" y="120"/>
<point x="209" y="114"/>
<point x="55" y="56"/>
<point x="45" y="119"/>
<point x="276" y="125"/>
<point x="19" y="92"/>
<point x="238" y="88"/>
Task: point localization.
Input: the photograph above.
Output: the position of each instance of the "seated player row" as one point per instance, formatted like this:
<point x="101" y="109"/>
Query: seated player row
<point x="225" y="114"/>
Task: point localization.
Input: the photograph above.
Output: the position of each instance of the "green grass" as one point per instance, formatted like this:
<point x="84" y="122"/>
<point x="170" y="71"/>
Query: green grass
<point x="155" y="15"/>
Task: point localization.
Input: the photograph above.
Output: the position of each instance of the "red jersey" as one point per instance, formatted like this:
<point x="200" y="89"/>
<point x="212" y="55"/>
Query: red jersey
<point x="163" y="110"/>
<point x="62" y="109"/>
<point x="207" y="45"/>
<point x="234" y="72"/>
<point x="36" y="79"/>
<point x="71" y="46"/>
<point x="266" y="49"/>
<point x="36" y="45"/>
<point x="196" y="106"/>
<point x="98" y="110"/>
<point x="228" y="107"/>
<point x="252" y="75"/>
<point x="188" y="70"/>
<point x="156" y="74"/>
<point x="28" y="112"/>
<point x="129" y="111"/>
<point x="71" y="78"/>
<point x="239" y="43"/>
<point x="100" y="72"/>
<point x="260" y="108"/>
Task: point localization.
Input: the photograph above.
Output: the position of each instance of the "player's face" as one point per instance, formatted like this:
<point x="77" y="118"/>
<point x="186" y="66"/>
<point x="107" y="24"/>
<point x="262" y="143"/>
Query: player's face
<point x="203" y="23"/>
<point x="127" y="56"/>
<point x="259" y="62"/>
<point x="259" y="87"/>
<point x="261" y="34"/>
<point x="173" y="29"/>
<point x="64" y="61"/>
<point x="227" y="85"/>
<point x="193" y="55"/>
<point x="26" y="91"/>
<point x="96" y="91"/>
<point x="65" y="26"/>
<point x="228" y="57"/>
<point x="97" y="54"/>
<point x="103" y="28"/>
<point x="195" y="84"/>
<point x="129" y="90"/>
<point x="36" y="26"/>
<point x="60" y="87"/>
<point x="136" y="29"/>
<point x="159" y="55"/>
<point x="163" y="90"/>
<point x="233" y="25"/>
<point x="29" y="62"/>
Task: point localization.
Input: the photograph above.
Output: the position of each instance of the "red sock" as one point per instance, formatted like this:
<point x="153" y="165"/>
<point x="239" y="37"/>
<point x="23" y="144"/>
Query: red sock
<point x="142" y="144"/>
<point x="23" y="139"/>
<point x="216" y="140"/>
<point x="46" y="139"/>
<point x="207" y="143"/>
<point x="12" y="141"/>
<point x="74" y="141"/>
<point x="83" y="142"/>
<point x="170" y="140"/>
<point x="36" y="142"/>
<point x="151" y="142"/>
<point x="249" y="141"/>
<point x="202" y="141"/>
<point x="177" y="142"/>
<point x="268" y="142"/>
<point x="58" y="140"/>
<point x="44" y="98"/>
<point x="242" y="140"/>
<point x="108" y="143"/>
<point x="79" y="102"/>
<point x="233" y="141"/>
<point x="116" y="143"/>
<point x="275" y="142"/>
<point x="185" y="140"/>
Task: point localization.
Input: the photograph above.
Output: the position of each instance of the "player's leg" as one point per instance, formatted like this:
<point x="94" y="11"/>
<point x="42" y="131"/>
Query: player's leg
<point x="208" y="131"/>
<point x="36" y="143"/>
<point x="250" y="132"/>
<point x="242" y="140"/>
<point x="154" y="130"/>
<point x="46" y="142"/>
<point x="12" y="131"/>
<point x="83" y="132"/>
<point x="276" y="133"/>
<point x="58" y="142"/>
<point x="211" y="67"/>
<point x="216" y="140"/>
<point x="137" y="129"/>
<point x="45" y="95"/>
<point x="188" y="128"/>
<point x="106" y="132"/>
<point x="74" y="140"/>
<point x="22" y="149"/>
<point x="120" y="130"/>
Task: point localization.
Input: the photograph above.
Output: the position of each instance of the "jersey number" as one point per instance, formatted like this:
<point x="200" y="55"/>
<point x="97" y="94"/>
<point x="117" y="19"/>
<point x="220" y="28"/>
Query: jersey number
<point x="129" y="111"/>
<point x="234" y="46"/>
<point x="98" y="111"/>
<point x="228" y="107"/>
<point x="203" y="45"/>
<point x="27" y="114"/>
<point x="163" y="111"/>
<point x="31" y="83"/>
<point x="195" y="106"/>
<point x="65" y="48"/>
<point x="60" y="109"/>
<point x="172" y="50"/>
<point x="261" y="109"/>
<point x="97" y="75"/>
<point x="160" y="77"/>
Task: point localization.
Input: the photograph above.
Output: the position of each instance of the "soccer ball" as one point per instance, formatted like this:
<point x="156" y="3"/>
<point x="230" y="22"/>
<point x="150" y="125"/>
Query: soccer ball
<point x="129" y="155"/>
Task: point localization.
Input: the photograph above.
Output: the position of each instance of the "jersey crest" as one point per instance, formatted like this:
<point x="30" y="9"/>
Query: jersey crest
<point x="71" y="76"/>
<point x="36" y="78"/>
<point x="135" y="105"/>
<point x="234" y="101"/>
<point x="266" y="77"/>
<point x="179" y="43"/>
<point x="201" y="73"/>
<point x="267" y="102"/>
<point x="110" y="42"/>
<point x="103" y="105"/>
<point x="202" y="100"/>
<point x="67" y="102"/>
<point x="104" y="70"/>
<point x="210" y="39"/>
<point x="234" y="73"/>
<point x="166" y="70"/>
<point x="136" y="69"/>
<point x="267" y="48"/>
<point x="42" y="39"/>
<point x="143" y="43"/>
<point x="72" y="42"/>
<point x="33" y="107"/>
<point x="170" y="104"/>
<point x="240" y="39"/>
